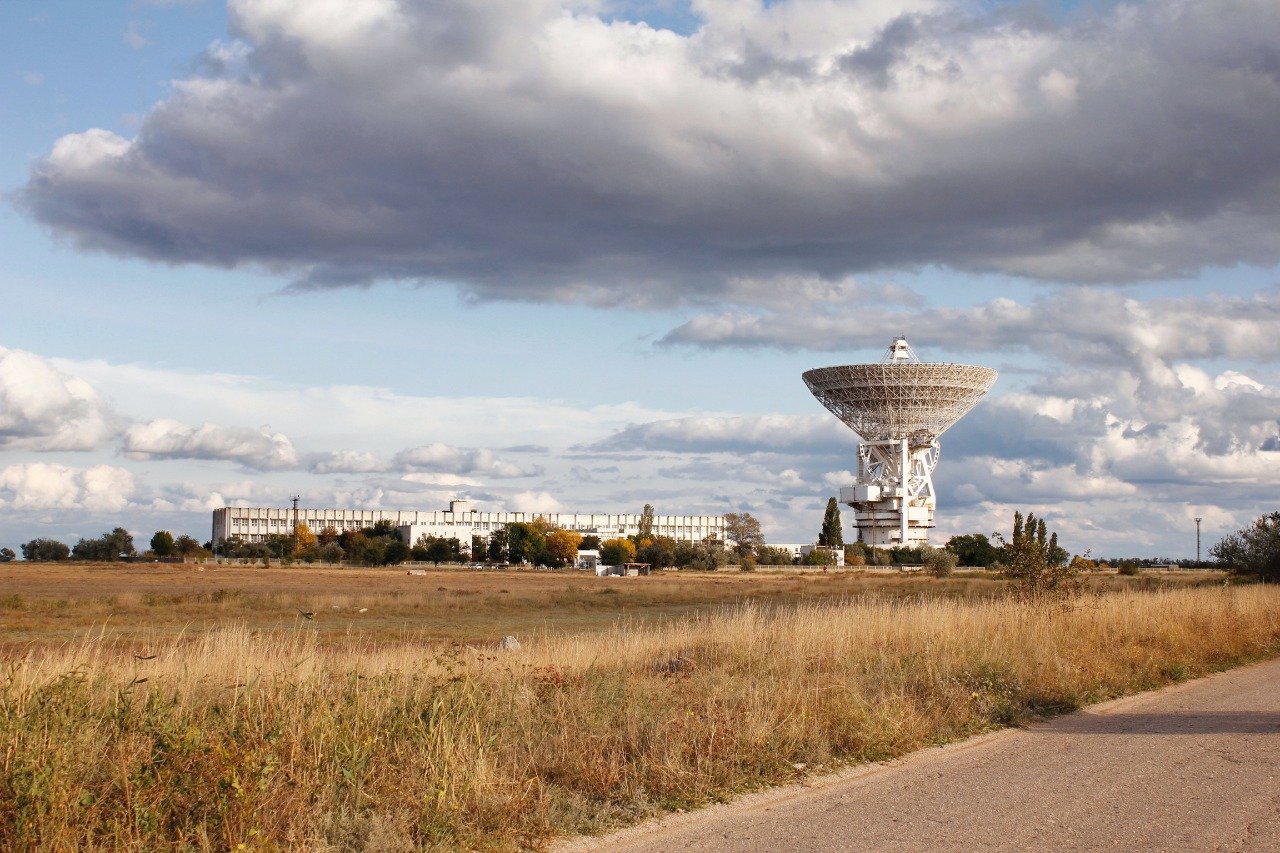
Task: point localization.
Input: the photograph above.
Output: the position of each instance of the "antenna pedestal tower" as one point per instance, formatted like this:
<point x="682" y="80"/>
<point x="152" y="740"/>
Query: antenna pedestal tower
<point x="889" y="508"/>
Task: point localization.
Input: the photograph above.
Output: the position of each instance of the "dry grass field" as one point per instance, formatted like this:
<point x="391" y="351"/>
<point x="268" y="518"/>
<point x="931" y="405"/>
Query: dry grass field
<point x="141" y="603"/>
<point x="236" y="733"/>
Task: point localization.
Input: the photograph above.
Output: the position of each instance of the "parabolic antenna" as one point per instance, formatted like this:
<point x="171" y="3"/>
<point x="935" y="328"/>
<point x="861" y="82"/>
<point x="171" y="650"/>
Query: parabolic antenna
<point x="899" y="407"/>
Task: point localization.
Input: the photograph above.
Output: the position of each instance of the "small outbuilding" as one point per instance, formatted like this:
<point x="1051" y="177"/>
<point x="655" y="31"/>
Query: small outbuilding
<point x="624" y="570"/>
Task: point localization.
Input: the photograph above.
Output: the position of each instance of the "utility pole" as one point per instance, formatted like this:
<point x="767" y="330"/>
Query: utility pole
<point x="1198" y="520"/>
<point x="295" y="500"/>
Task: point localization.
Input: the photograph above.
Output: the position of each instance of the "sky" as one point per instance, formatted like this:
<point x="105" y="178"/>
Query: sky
<point x="574" y="256"/>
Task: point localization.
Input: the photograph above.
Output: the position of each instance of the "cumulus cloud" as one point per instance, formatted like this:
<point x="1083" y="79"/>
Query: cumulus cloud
<point x="346" y="462"/>
<point x="743" y="434"/>
<point x="537" y="150"/>
<point x="42" y="408"/>
<point x="1090" y="326"/>
<point x="163" y="438"/>
<point x="47" y="486"/>
<point x="445" y="458"/>
<point x="533" y="501"/>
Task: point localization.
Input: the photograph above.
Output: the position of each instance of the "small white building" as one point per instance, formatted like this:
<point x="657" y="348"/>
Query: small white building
<point x="588" y="558"/>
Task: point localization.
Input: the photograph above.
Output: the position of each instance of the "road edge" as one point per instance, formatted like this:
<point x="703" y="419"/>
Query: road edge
<point x="782" y="793"/>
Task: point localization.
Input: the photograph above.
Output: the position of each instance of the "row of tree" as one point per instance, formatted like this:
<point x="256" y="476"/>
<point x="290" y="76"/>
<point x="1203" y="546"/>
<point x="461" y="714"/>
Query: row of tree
<point x="114" y="545"/>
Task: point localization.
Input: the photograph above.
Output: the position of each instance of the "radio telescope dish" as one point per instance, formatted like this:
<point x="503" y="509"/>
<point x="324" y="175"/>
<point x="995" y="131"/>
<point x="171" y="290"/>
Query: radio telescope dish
<point x="899" y="407"/>
<point x="900" y="400"/>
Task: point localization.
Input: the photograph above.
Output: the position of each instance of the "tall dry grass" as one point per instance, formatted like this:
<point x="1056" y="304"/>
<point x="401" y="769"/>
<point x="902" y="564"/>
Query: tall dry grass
<point x="235" y="739"/>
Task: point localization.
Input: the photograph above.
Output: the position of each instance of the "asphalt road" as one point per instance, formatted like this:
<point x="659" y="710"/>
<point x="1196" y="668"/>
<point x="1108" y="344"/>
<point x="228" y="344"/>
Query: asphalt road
<point x="1191" y="767"/>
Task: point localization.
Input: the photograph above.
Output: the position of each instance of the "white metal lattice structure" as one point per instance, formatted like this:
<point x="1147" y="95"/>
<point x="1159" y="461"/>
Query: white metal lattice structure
<point x="899" y="407"/>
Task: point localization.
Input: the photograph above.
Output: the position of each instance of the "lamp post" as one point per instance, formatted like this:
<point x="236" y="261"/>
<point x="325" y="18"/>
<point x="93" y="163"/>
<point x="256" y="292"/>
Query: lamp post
<point x="1198" y="520"/>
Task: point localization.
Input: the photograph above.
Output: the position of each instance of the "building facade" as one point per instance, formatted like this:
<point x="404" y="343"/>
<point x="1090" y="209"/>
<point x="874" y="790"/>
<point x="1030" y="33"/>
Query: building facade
<point x="460" y="521"/>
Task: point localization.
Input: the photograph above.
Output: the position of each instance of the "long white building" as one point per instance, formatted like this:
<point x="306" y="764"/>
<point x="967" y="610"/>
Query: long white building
<point x="459" y="521"/>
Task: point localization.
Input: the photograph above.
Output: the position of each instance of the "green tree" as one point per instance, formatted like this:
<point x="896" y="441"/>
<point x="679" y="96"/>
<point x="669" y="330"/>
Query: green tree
<point x="45" y="551"/>
<point x="360" y="548"/>
<point x="684" y="554"/>
<point x="831" y="536"/>
<point x="187" y="546"/>
<point x="120" y="542"/>
<point x="1033" y="560"/>
<point x="590" y="542"/>
<point x="526" y="542"/>
<point x="743" y="530"/>
<point x="384" y="527"/>
<point x="646" y="522"/>
<point x="395" y="552"/>
<point x="7" y="555"/>
<point x="91" y="549"/>
<point x="659" y="552"/>
<point x="437" y="549"/>
<point x="1252" y="550"/>
<point x="974" y="549"/>
<point x="115" y="545"/>
<point x="162" y="543"/>
<point x="770" y="556"/>
<point x="709" y="555"/>
<point x="498" y="545"/>
<point x="819" y="557"/>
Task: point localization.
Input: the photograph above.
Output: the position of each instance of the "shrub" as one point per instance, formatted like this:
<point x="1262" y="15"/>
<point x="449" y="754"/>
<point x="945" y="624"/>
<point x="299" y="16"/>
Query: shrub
<point x="1253" y="550"/>
<point x="939" y="562"/>
<point x="45" y="550"/>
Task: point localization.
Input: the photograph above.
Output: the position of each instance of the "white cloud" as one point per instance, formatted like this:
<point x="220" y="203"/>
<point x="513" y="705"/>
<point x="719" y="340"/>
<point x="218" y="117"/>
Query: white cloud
<point x="43" y="408"/>
<point x="742" y="434"/>
<point x="164" y="438"/>
<point x="1075" y="326"/>
<point x="346" y="462"/>
<point x="368" y="419"/>
<point x="46" y="486"/>
<point x="445" y="458"/>
<point x="534" y="502"/>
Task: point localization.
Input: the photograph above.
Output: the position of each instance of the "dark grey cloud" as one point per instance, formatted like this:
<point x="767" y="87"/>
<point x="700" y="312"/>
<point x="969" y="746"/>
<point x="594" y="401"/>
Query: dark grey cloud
<point x="876" y="61"/>
<point x="526" y="153"/>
